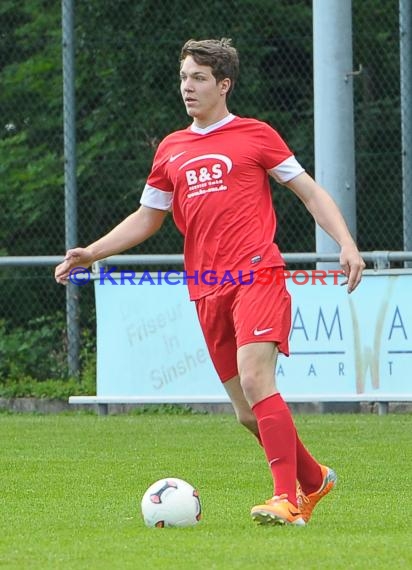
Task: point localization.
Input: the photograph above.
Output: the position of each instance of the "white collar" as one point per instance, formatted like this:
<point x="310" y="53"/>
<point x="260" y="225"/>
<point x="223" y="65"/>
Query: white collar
<point x="213" y="127"/>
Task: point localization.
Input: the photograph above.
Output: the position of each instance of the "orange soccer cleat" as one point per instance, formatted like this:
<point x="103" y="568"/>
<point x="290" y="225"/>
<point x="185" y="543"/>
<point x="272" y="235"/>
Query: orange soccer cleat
<point x="307" y="503"/>
<point x="277" y="511"/>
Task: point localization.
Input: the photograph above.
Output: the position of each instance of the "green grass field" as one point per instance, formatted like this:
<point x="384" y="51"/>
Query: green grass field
<point x="71" y="487"/>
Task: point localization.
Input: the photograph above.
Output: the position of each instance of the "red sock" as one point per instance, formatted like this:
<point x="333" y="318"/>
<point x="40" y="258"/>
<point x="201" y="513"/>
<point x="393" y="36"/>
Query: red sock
<point x="308" y="469"/>
<point x="278" y="435"/>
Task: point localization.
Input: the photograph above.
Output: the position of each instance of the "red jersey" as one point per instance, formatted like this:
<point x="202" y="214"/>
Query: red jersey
<point x="216" y="181"/>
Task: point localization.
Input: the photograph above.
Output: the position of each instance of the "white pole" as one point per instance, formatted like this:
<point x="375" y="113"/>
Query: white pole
<point x="405" y="32"/>
<point x="333" y="108"/>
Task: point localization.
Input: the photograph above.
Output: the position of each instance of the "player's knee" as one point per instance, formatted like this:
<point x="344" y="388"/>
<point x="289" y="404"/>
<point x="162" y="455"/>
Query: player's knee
<point x="251" y="386"/>
<point x="257" y="384"/>
<point x="247" y="381"/>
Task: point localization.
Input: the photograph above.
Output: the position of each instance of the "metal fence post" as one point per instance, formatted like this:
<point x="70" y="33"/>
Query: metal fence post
<point x="70" y="195"/>
<point x="405" y="25"/>
<point x="333" y="104"/>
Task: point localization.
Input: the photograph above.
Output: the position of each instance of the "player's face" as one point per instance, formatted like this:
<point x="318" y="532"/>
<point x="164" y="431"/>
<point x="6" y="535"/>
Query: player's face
<point x="204" y="98"/>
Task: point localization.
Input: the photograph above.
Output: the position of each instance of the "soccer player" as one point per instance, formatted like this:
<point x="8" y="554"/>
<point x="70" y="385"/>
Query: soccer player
<point x="213" y="175"/>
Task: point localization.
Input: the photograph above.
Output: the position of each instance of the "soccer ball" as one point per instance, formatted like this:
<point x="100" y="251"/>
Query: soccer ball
<point x="171" y="502"/>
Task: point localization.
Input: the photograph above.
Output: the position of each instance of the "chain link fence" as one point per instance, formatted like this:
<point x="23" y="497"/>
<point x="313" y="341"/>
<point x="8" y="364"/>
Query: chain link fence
<point x="127" y="100"/>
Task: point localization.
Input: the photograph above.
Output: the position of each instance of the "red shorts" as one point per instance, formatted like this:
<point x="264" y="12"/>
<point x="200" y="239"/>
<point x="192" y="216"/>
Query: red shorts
<point x="240" y="314"/>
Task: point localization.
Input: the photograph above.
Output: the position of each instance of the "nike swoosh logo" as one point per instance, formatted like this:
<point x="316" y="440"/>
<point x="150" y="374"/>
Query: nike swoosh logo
<point x="176" y="156"/>
<point x="274" y="460"/>
<point x="258" y="332"/>
<point x="295" y="514"/>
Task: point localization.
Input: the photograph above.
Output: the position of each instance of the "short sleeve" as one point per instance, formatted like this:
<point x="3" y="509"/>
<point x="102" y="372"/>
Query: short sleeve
<point x="158" y="191"/>
<point x="273" y="148"/>
<point x="154" y="198"/>
<point x="286" y="170"/>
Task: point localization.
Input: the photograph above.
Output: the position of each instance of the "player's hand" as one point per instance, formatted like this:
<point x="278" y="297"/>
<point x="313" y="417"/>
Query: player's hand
<point x="78" y="257"/>
<point x="352" y="265"/>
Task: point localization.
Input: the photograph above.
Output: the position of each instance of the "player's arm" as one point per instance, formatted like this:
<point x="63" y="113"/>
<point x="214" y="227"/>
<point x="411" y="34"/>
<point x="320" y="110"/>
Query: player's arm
<point x="133" y="230"/>
<point x="327" y="214"/>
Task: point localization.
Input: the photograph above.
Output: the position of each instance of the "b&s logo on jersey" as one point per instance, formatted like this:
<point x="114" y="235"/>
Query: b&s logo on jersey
<point x="206" y="173"/>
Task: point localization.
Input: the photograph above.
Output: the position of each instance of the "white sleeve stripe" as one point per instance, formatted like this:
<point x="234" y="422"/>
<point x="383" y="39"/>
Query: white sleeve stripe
<point x="286" y="170"/>
<point x="155" y="198"/>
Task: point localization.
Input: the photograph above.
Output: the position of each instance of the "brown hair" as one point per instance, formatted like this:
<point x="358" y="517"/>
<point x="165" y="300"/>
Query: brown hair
<point x="220" y="55"/>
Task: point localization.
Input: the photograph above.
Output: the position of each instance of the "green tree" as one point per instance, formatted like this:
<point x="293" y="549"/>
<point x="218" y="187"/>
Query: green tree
<point x="31" y="134"/>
